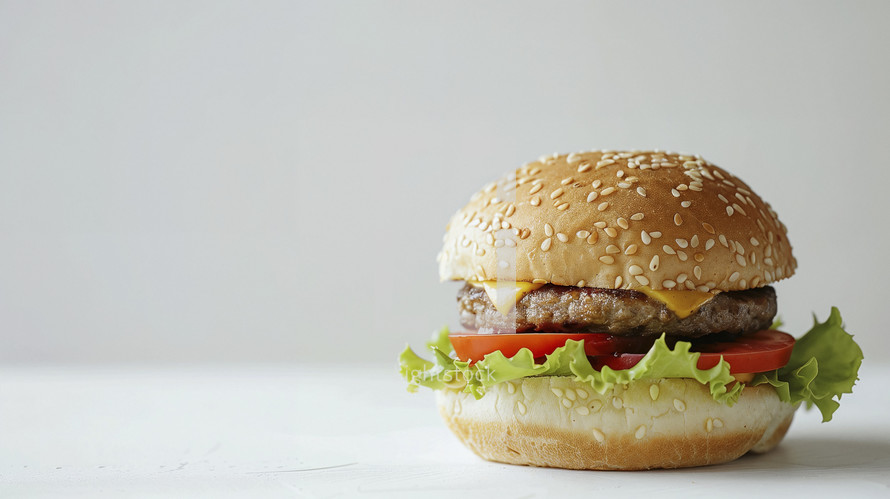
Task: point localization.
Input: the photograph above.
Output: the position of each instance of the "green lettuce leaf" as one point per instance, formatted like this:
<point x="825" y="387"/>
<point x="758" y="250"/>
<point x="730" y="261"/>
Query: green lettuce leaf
<point x="824" y="365"/>
<point x="569" y="360"/>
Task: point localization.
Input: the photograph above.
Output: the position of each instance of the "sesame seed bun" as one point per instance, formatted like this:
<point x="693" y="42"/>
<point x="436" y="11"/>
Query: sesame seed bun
<point x="554" y="421"/>
<point x="619" y="220"/>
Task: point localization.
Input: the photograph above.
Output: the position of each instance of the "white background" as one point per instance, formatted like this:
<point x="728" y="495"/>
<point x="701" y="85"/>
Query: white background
<point x="269" y="181"/>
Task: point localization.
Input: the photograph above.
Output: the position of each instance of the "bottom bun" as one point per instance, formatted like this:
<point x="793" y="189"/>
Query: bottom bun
<point x="557" y="422"/>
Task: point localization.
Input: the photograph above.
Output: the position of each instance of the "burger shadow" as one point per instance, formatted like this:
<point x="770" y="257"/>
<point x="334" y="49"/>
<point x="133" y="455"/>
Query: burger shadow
<point x="856" y="458"/>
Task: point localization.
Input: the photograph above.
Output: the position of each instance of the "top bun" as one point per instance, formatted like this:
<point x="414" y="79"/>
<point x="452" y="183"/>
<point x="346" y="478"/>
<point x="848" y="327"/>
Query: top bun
<point x="616" y="219"/>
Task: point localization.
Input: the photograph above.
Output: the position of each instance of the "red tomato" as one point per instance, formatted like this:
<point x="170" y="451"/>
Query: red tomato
<point x="473" y="347"/>
<point x="751" y="353"/>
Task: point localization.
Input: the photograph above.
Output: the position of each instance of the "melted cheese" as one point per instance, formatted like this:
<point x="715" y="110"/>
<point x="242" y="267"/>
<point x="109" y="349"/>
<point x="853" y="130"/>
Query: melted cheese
<point x="505" y="294"/>
<point x="682" y="303"/>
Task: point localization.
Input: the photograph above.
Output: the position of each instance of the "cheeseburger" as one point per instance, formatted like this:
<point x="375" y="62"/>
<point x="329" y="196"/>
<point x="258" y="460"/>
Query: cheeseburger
<point x="617" y="313"/>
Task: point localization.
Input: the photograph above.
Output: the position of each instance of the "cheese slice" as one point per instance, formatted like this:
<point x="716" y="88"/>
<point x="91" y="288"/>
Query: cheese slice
<point x="505" y="294"/>
<point x="682" y="303"/>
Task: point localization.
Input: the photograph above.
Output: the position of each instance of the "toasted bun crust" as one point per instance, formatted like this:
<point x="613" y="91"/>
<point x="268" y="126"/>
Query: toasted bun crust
<point x="554" y="421"/>
<point x="619" y="220"/>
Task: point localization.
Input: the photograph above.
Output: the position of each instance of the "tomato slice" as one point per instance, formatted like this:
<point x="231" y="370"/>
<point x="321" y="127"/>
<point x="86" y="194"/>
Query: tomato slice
<point x="751" y="353"/>
<point x="473" y="347"/>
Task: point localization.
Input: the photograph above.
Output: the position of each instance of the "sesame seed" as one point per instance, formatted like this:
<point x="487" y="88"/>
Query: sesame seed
<point x="562" y="237"/>
<point x="534" y="171"/>
<point x="623" y="185"/>
<point x="581" y="283"/>
<point x="582" y="234"/>
<point x="617" y="402"/>
<point x="709" y="425"/>
<point x="729" y="210"/>
<point x="521" y="407"/>
<point x="610" y="231"/>
<point x="582" y="393"/>
<point x="593" y="195"/>
<point x="655" y="234"/>
<point x="636" y="216"/>
<point x="555" y="194"/>
<point x="607" y="191"/>
<point x="582" y="410"/>
<point x="723" y="198"/>
<point x="675" y="193"/>
<point x="622" y="223"/>
<point x="678" y="220"/>
<point x="510" y="242"/>
<point x="667" y="249"/>
<point x="604" y="162"/>
<point x="667" y="283"/>
<point x="635" y="270"/>
<point x="696" y="271"/>
<point x="535" y="188"/>
<point x="548" y="230"/>
<point x="557" y="391"/>
<point x="739" y="209"/>
<point x="563" y="206"/>
<point x="535" y="201"/>
<point x="741" y="260"/>
<point x="524" y="233"/>
<point x="608" y="260"/>
<point x="681" y="243"/>
<point x="682" y="255"/>
<point x="694" y="241"/>
<point x="618" y="281"/>
<point x="695" y="186"/>
<point x="642" y="279"/>
<point x="734" y="277"/>
<point x="597" y="183"/>
<point x="603" y="206"/>
<point x="583" y="167"/>
<point x="545" y="246"/>
<point x="630" y="250"/>
<point x="641" y="191"/>
<point x="681" y="278"/>
<point x="619" y="173"/>
<point x="653" y="264"/>
<point x="709" y="244"/>
<point x="645" y="237"/>
<point x="686" y="204"/>
<point x="598" y="435"/>
<point x="699" y="257"/>
<point x="612" y="249"/>
<point x="573" y="158"/>
<point x="511" y="210"/>
<point x="679" y="405"/>
<point x="722" y="240"/>
<point x="682" y="187"/>
<point x="641" y="432"/>
<point x="567" y="180"/>
<point x="739" y="247"/>
<point x="708" y="227"/>
<point x="600" y="225"/>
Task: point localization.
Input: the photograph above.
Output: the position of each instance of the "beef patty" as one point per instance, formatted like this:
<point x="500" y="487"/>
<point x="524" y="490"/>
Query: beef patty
<point x="617" y="312"/>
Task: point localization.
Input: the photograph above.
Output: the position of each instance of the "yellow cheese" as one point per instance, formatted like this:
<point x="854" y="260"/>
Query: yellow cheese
<point x="682" y="303"/>
<point x="505" y="294"/>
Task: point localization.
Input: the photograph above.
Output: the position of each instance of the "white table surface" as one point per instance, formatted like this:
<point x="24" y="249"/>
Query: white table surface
<point x="353" y="431"/>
